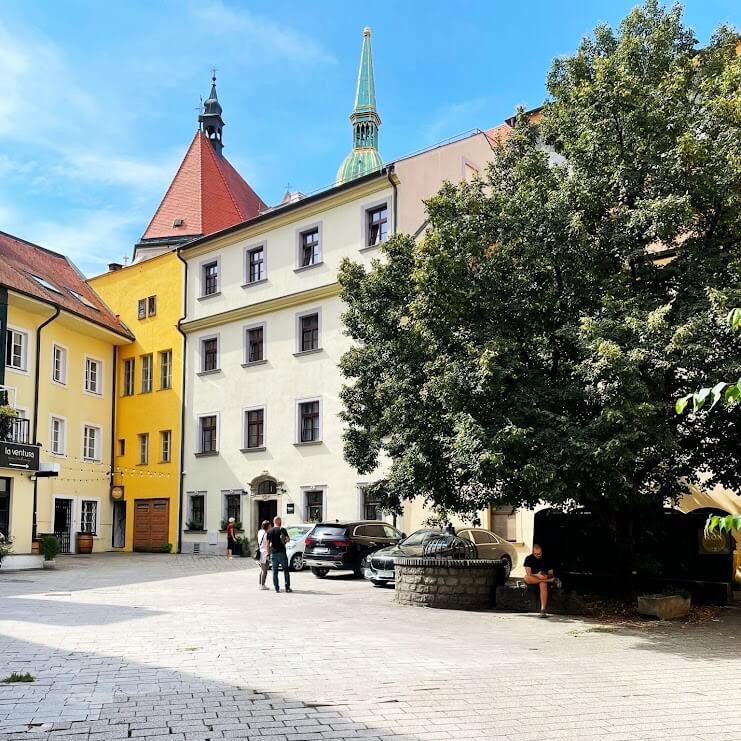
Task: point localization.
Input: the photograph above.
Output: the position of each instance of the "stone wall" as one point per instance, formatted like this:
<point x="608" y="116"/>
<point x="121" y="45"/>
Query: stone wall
<point x="447" y="583"/>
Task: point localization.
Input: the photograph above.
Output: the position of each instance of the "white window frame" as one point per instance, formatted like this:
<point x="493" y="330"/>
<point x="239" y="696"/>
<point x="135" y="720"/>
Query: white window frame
<point x="142" y="437"/>
<point x="98" y="442"/>
<point x="305" y="506"/>
<point x="161" y="354"/>
<point x="245" y="340"/>
<point x="25" y="348"/>
<point x="299" y="246"/>
<point x="147" y="357"/>
<point x="57" y="418"/>
<point x="199" y="417"/>
<point x="64" y="355"/>
<point x="202" y="277"/>
<point x="96" y="501"/>
<point x="98" y="376"/>
<point x="297" y="417"/>
<point x="189" y="509"/>
<point x="169" y="446"/>
<point x="299" y="316"/>
<point x="364" y="210"/>
<point x="245" y="435"/>
<point x="124" y="389"/>
<point x="247" y="250"/>
<point x="202" y="354"/>
<point x="232" y="492"/>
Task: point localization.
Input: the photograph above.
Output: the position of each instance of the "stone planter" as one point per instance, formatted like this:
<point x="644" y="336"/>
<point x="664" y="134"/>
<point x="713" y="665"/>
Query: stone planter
<point x="448" y="583"/>
<point x="50" y="564"/>
<point x="664" y="606"/>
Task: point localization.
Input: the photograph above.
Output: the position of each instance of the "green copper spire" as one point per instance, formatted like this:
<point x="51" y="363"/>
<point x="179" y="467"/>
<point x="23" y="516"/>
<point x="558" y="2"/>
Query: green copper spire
<point x="365" y="120"/>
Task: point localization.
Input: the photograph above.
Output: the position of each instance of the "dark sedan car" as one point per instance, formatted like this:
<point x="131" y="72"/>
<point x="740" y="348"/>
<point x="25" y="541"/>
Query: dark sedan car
<point x="380" y="568"/>
<point x="334" y="546"/>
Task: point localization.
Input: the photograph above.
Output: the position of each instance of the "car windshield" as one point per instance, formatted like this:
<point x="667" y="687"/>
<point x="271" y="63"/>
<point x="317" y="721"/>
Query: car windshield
<point x="419" y="538"/>
<point x="297" y="532"/>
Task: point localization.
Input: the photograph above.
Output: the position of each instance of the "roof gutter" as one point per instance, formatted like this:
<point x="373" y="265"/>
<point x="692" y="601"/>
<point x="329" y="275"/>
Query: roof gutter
<point x="181" y="483"/>
<point x="389" y="174"/>
<point x="37" y="375"/>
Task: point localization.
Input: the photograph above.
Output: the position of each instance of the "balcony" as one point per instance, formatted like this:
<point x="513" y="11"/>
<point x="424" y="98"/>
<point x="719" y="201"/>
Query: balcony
<point x="14" y="429"/>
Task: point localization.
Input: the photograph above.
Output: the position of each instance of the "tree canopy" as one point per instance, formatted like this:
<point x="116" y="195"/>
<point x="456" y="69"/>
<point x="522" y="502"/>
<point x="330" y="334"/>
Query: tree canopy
<point x="528" y="348"/>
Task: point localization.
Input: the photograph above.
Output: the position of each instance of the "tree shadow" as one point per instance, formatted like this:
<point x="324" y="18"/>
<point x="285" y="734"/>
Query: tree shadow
<point x="79" y="693"/>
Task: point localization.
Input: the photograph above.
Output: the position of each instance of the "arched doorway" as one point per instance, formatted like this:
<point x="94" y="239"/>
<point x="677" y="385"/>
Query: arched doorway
<point x="265" y="490"/>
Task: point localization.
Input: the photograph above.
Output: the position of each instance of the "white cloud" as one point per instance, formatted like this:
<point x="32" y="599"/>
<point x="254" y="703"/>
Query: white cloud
<point x="91" y="239"/>
<point x="454" y="119"/>
<point x="259" y="34"/>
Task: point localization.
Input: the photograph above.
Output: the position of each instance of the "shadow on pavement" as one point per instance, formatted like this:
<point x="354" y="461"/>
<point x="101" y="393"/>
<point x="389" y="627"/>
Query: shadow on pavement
<point x="80" y="693"/>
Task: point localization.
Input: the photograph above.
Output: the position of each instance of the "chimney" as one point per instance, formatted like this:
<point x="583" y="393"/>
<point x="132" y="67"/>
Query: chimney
<point x="113" y="266"/>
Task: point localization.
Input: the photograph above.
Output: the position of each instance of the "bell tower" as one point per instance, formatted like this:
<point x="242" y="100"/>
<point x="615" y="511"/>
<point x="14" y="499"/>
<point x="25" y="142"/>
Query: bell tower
<point x="212" y="124"/>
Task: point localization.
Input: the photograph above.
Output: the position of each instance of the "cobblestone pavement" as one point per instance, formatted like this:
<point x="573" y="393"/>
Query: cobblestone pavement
<point x="185" y="647"/>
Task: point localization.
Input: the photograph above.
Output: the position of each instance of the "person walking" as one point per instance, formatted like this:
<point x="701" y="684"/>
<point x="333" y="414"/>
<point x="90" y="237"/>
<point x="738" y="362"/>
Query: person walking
<point x="263" y="548"/>
<point x="277" y="539"/>
<point x="231" y="538"/>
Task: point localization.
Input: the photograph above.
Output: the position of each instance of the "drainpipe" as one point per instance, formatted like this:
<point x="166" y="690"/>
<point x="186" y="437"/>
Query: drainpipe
<point x="389" y="173"/>
<point x="3" y="329"/>
<point x="182" y="402"/>
<point x="37" y="371"/>
<point x="113" y="436"/>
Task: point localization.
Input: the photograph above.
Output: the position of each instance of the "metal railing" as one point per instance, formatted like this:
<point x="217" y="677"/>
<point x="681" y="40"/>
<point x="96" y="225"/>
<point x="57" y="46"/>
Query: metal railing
<point x="15" y="429"/>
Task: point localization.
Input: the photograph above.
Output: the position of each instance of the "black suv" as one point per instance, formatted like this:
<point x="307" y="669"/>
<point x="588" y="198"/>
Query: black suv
<point x="346" y="546"/>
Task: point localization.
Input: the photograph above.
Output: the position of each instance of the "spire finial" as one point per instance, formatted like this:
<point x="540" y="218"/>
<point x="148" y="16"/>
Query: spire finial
<point x="210" y="119"/>
<point x="364" y="157"/>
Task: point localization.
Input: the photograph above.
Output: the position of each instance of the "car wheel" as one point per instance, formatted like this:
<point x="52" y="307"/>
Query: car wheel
<point x="507" y="561"/>
<point x="359" y="571"/>
<point x="297" y="562"/>
<point x="319" y="573"/>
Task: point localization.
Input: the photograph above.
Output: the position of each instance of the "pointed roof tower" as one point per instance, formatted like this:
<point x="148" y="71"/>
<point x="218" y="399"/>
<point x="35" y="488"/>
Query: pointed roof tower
<point x="364" y="157"/>
<point x="206" y="195"/>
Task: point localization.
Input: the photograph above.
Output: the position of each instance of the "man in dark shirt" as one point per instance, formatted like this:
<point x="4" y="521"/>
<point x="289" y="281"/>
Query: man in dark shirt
<point x="539" y="576"/>
<point x="277" y="539"/>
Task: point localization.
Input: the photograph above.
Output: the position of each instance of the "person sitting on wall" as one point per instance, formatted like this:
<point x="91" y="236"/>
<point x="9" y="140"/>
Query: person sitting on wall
<point x="539" y="576"/>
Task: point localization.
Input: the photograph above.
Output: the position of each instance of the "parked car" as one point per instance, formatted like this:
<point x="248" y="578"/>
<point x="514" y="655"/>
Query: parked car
<point x="380" y="570"/>
<point x="491" y="545"/>
<point x="346" y="546"/>
<point x="295" y="548"/>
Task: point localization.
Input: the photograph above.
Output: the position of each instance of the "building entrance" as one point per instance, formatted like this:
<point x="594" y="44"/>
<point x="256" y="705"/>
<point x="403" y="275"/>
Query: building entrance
<point x="63" y="523"/>
<point x="5" y="507"/>
<point x="266" y="510"/>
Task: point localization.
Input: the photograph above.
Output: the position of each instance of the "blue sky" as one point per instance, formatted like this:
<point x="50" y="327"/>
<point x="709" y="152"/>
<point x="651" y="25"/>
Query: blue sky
<point x="98" y="100"/>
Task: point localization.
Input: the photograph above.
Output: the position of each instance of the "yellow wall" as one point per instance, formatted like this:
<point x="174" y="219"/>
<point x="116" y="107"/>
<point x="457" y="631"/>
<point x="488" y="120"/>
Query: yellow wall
<point x="159" y="409"/>
<point x="78" y="479"/>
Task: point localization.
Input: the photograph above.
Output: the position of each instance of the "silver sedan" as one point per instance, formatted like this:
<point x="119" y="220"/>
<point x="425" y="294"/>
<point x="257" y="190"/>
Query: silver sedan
<point x="491" y="545"/>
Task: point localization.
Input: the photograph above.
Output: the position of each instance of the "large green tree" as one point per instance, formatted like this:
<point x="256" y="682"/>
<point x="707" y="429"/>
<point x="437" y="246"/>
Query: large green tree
<point x="526" y="349"/>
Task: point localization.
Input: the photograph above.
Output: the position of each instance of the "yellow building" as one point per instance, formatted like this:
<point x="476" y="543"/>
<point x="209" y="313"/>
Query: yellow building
<point x="206" y="195"/>
<point x="148" y="298"/>
<point x="56" y="389"/>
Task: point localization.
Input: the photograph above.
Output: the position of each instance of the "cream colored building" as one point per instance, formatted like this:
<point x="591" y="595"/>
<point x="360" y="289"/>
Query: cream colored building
<point x="264" y="339"/>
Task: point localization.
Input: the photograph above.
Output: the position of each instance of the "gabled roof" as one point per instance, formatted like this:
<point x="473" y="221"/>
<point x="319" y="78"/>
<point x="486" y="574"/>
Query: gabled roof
<point x="206" y="195"/>
<point x="52" y="278"/>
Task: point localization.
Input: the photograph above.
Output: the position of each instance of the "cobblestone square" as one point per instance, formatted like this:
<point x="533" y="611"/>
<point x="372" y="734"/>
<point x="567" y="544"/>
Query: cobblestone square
<point x="186" y="647"/>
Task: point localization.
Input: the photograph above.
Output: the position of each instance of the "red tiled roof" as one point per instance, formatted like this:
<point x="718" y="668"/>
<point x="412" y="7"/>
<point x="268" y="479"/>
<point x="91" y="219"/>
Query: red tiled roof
<point x="207" y="194"/>
<point x="20" y="260"/>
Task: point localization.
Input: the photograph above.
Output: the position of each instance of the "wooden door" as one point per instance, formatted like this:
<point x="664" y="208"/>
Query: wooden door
<point x="151" y="524"/>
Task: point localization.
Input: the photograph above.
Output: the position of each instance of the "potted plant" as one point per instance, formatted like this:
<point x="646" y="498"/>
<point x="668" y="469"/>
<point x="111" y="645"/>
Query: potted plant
<point x="237" y="525"/>
<point x="7" y="415"/>
<point x="6" y="546"/>
<point x="50" y="547"/>
<point x="244" y="546"/>
<point x="194" y="525"/>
